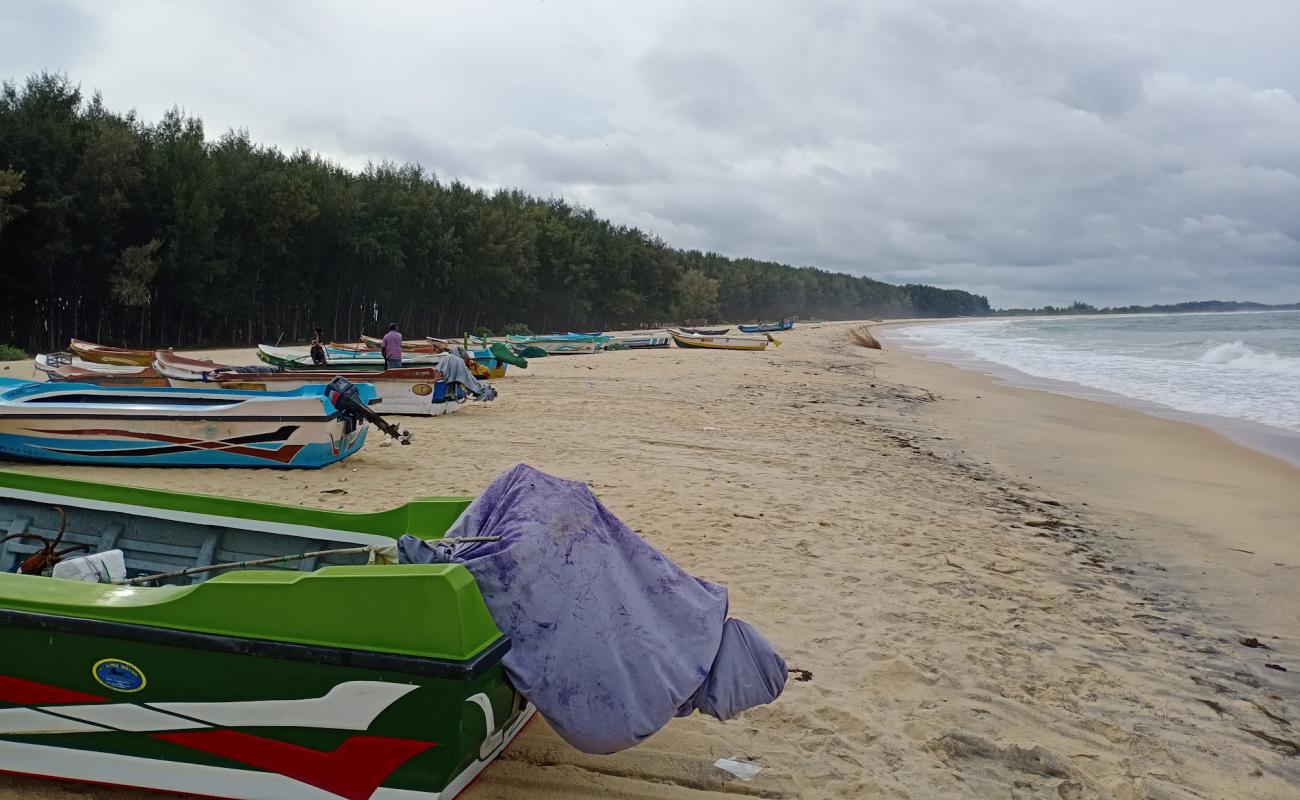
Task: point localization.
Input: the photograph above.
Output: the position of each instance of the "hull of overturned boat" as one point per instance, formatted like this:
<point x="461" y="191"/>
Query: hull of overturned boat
<point x="647" y="342"/>
<point x="559" y="345"/>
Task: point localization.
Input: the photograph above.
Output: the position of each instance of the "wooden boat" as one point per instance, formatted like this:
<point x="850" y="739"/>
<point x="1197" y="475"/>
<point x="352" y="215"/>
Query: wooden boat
<point x="413" y="346"/>
<point x="408" y="390"/>
<point x="705" y="331"/>
<point x="648" y="341"/>
<point x="77" y="423"/>
<point x="103" y="354"/>
<point x="138" y="376"/>
<point x="768" y="327"/>
<point x="328" y="678"/>
<point x="50" y="362"/>
<point x="721" y="342"/>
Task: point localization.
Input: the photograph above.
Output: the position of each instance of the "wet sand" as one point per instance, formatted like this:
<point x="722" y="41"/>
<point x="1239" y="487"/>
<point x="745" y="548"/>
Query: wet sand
<point x="998" y="592"/>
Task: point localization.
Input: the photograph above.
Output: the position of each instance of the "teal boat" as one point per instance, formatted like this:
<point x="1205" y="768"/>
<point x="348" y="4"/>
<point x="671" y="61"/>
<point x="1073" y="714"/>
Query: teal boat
<point x="768" y="327"/>
<point x="560" y="344"/>
<point x="315" y="677"/>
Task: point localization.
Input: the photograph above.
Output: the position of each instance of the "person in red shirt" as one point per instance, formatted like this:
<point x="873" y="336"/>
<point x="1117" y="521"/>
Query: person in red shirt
<point x="392" y="347"/>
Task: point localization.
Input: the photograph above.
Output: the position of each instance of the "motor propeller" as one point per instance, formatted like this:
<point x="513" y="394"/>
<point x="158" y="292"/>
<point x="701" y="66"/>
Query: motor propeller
<point x="346" y="397"/>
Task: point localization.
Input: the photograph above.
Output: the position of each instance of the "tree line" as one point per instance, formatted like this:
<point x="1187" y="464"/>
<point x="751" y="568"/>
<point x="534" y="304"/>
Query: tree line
<point x="129" y="232"/>
<point x="1197" y="306"/>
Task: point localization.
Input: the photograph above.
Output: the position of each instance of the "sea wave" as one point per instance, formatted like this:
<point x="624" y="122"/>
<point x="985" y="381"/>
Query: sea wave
<point x="1222" y="378"/>
<point x="1240" y="355"/>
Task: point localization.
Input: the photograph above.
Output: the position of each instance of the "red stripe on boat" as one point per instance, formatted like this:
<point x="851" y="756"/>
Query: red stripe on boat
<point x="30" y="693"/>
<point x="282" y="454"/>
<point x="355" y="769"/>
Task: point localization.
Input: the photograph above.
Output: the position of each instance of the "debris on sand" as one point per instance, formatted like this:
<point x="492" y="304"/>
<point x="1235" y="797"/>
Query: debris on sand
<point x="861" y="335"/>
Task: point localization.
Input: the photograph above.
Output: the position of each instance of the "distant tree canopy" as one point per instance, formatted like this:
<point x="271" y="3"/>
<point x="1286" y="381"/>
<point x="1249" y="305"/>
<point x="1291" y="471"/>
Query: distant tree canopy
<point x="1197" y="306"/>
<point x="127" y="232"/>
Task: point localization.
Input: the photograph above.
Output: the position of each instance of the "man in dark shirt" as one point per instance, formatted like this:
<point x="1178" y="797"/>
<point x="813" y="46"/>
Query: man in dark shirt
<point x="318" y="356"/>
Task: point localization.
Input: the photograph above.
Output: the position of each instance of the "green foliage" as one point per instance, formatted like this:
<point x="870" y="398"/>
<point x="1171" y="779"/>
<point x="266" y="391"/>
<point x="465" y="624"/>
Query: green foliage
<point x="10" y="353"/>
<point x="481" y="332"/>
<point x="1199" y="306"/>
<point x="697" y="294"/>
<point x="131" y="282"/>
<point x="10" y="183"/>
<point x="517" y="329"/>
<point x="120" y="230"/>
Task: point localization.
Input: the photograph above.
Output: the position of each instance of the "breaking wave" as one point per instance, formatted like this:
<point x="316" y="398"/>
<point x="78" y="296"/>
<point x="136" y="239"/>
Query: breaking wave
<point x="1240" y="355"/>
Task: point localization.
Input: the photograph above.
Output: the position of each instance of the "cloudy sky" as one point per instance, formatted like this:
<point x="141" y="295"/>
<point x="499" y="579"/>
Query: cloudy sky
<point x="1112" y="151"/>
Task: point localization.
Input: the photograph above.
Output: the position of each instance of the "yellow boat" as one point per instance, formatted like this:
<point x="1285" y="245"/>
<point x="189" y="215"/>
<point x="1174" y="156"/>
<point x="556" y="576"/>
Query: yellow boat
<point x="103" y="354"/>
<point x="689" y="340"/>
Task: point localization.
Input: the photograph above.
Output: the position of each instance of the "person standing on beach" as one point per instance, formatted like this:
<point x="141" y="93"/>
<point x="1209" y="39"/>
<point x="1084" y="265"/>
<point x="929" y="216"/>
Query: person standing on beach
<point x="318" y="356"/>
<point x="392" y="347"/>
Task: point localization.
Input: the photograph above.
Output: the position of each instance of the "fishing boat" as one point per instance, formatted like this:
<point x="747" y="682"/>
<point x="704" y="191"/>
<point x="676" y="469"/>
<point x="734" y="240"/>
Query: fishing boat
<point x="103" y="354"/>
<point x="133" y="376"/>
<point x="51" y="362"/>
<point x="79" y="423"/>
<point x="369" y="360"/>
<point x="407" y="390"/>
<point x="560" y="344"/>
<point x="648" y="341"/>
<point x="323" y="678"/>
<point x="414" y="346"/>
<point x="721" y="342"/>
<point x="706" y="331"/>
<point x="768" y="327"/>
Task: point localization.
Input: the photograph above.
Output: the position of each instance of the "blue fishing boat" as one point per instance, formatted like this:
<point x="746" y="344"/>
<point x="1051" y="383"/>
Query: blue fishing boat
<point x="768" y="327"/>
<point x="76" y="423"/>
<point x="639" y="342"/>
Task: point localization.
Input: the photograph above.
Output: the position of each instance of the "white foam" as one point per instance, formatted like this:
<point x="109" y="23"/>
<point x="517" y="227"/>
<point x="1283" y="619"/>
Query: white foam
<point x="1239" y="355"/>
<point x="1227" y="379"/>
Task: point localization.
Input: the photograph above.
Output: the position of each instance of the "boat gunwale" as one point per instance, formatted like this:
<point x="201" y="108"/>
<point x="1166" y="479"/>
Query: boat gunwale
<point x="327" y="655"/>
<point x="174" y="418"/>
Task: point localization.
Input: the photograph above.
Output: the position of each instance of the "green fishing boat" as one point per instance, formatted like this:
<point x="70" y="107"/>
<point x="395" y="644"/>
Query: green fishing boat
<point x="325" y="676"/>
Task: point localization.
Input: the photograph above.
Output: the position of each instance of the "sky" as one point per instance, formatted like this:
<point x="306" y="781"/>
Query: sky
<point x="1108" y="151"/>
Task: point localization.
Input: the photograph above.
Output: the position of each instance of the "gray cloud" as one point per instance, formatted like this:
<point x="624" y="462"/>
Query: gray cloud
<point x="1036" y="152"/>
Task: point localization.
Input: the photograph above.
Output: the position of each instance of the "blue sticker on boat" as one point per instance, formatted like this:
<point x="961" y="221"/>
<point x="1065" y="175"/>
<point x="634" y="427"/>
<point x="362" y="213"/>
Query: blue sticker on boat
<point x="119" y="675"/>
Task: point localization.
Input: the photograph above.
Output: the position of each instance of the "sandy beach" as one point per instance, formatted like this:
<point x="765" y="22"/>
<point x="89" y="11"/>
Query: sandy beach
<point x="993" y="591"/>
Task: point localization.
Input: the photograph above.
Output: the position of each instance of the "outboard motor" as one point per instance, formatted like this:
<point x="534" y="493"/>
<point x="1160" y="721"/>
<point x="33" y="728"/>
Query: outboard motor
<point x="347" y="399"/>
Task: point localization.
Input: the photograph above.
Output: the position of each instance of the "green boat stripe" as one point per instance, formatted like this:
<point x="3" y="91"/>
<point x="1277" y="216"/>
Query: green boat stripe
<point x="468" y="669"/>
<point x="245" y="523"/>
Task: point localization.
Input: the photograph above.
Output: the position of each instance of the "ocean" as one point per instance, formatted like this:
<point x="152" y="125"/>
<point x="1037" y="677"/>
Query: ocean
<point x="1236" y="372"/>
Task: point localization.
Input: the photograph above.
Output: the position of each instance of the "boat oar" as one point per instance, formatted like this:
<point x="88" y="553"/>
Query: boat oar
<point x="773" y="339"/>
<point x="264" y="562"/>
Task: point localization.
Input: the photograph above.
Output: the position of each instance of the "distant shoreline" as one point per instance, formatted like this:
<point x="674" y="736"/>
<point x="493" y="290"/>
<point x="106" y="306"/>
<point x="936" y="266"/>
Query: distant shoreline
<point x="1275" y="442"/>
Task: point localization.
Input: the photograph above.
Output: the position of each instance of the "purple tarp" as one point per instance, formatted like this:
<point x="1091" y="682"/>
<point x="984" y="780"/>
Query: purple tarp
<point x="609" y="638"/>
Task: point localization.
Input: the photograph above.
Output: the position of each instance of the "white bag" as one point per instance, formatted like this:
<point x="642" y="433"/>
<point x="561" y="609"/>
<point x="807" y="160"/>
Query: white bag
<point x="104" y="567"/>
